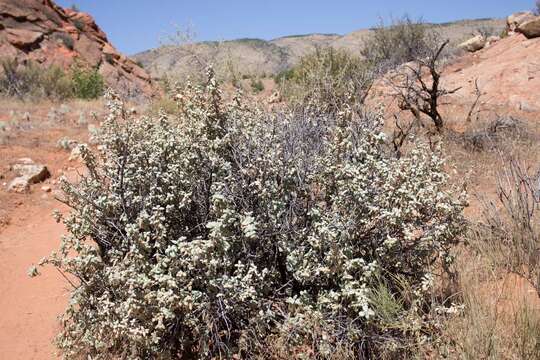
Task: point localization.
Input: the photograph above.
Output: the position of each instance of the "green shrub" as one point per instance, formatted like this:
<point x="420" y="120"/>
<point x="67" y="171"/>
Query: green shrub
<point x="66" y="39"/>
<point x="79" y="25"/>
<point x="87" y="83"/>
<point x="56" y="83"/>
<point x="164" y="104"/>
<point x="328" y="79"/>
<point x="284" y="75"/>
<point x="256" y="85"/>
<point x="109" y="58"/>
<point x="228" y="231"/>
<point x="403" y="41"/>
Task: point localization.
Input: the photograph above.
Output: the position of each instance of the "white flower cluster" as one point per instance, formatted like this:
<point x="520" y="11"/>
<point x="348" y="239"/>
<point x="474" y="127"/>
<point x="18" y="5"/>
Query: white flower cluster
<point x="191" y="234"/>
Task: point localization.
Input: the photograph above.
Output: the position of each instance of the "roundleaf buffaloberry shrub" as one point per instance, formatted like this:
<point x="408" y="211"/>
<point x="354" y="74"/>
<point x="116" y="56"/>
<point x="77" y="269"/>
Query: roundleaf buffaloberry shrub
<point x="227" y="231"/>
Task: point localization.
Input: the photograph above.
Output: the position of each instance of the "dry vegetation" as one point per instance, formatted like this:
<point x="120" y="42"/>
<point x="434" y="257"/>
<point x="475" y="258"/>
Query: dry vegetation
<point x="499" y="318"/>
<point x="31" y="82"/>
<point x="210" y="228"/>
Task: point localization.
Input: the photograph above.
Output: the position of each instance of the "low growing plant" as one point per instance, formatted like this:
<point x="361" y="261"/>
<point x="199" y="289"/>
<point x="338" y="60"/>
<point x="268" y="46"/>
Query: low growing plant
<point x="256" y="85"/>
<point x="31" y="81"/>
<point x="66" y="40"/>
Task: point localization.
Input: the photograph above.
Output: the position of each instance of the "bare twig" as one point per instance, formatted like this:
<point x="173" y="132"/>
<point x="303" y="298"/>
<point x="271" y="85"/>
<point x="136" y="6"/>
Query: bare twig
<point x="478" y="94"/>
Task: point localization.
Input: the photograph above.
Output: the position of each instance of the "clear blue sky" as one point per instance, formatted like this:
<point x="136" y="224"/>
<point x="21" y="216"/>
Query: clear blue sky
<point x="137" y="25"/>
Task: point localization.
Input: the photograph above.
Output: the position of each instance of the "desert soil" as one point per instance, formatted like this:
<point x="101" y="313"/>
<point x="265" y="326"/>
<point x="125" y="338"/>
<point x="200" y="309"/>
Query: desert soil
<point x="30" y="306"/>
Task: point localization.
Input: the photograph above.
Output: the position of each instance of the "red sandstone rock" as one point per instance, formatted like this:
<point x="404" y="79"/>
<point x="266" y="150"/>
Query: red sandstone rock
<point x="22" y="38"/>
<point x="530" y="28"/>
<point x="507" y="72"/>
<point x="43" y="32"/>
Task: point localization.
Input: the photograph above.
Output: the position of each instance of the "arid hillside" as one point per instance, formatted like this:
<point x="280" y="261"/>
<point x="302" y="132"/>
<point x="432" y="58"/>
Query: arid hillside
<point x="42" y="32"/>
<point x="258" y="57"/>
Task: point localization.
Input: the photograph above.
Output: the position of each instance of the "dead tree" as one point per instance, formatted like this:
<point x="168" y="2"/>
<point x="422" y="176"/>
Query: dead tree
<point x="417" y="87"/>
<point x="400" y="134"/>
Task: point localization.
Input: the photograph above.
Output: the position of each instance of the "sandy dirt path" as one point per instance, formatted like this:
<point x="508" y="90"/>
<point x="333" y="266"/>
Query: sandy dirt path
<point x="30" y="306"/>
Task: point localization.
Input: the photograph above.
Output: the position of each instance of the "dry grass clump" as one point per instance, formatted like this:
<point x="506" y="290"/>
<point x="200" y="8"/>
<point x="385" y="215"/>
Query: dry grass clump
<point x="509" y="235"/>
<point x="500" y="317"/>
<point x="502" y="132"/>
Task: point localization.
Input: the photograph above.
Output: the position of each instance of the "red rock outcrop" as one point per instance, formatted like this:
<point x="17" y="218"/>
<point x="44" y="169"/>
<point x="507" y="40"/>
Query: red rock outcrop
<point x="508" y="73"/>
<point x="45" y="33"/>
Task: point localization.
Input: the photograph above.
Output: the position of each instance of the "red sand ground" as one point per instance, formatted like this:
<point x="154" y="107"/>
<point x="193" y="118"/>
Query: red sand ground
<point x="30" y="306"/>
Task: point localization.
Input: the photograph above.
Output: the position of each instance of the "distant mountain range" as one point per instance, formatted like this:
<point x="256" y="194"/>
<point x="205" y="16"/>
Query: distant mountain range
<point x="256" y="57"/>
